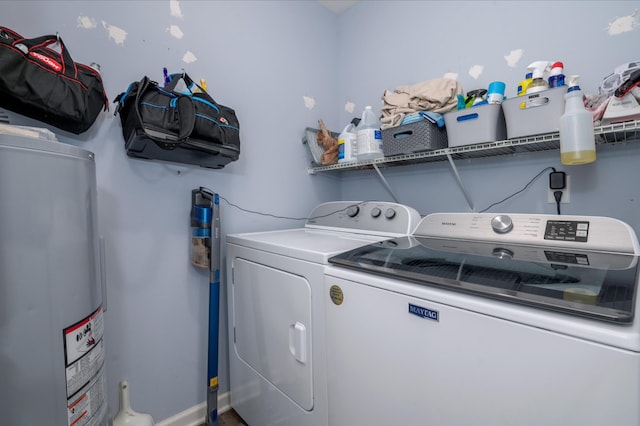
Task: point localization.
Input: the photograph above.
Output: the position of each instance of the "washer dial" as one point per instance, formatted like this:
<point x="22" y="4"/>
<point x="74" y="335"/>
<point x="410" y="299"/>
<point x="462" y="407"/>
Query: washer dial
<point x="353" y="211"/>
<point x="501" y="224"/>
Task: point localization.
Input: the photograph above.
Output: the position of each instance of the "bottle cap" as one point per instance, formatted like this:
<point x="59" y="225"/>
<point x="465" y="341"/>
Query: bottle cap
<point x="573" y="83"/>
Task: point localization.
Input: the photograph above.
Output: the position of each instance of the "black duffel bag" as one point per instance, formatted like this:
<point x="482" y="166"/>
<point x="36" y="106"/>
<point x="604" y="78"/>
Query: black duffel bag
<point x="42" y="83"/>
<point x="161" y="123"/>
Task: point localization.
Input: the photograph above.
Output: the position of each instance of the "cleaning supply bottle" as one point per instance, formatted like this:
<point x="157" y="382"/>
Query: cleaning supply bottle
<point x="522" y="86"/>
<point x="577" y="139"/>
<point x="538" y="69"/>
<point x="556" y="76"/>
<point x="369" y="136"/>
<point x="347" y="144"/>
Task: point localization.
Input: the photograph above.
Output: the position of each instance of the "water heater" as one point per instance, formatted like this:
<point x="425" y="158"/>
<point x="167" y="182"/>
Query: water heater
<point x="52" y="351"/>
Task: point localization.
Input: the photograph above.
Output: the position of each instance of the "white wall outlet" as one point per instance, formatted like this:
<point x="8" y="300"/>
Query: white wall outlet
<point x="565" y="192"/>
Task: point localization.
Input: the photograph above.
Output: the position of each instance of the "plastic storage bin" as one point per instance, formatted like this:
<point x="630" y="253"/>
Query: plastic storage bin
<point x="535" y="113"/>
<point x="311" y="140"/>
<point x="479" y="124"/>
<point x="413" y="137"/>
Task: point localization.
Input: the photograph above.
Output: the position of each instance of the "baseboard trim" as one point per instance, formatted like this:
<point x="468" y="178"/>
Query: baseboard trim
<point x="196" y="415"/>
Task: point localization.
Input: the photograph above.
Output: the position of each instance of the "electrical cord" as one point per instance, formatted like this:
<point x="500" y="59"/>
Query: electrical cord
<point x="287" y="217"/>
<point x="522" y="190"/>
<point x="558" y="196"/>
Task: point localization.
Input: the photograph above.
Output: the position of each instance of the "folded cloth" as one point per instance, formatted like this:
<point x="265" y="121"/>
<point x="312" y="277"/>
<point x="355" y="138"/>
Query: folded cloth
<point x="438" y="95"/>
<point x="434" y="117"/>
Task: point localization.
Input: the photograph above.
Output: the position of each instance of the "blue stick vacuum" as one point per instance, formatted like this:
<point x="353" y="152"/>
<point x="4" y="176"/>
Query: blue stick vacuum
<point x="205" y="253"/>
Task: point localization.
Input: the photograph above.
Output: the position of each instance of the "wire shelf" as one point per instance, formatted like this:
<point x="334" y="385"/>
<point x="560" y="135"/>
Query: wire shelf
<point x="610" y="134"/>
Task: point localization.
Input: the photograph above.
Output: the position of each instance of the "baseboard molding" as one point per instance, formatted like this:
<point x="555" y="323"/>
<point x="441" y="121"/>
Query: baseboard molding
<point x="196" y="415"/>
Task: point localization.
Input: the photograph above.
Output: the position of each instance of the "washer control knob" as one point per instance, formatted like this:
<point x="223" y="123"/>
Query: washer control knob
<point x="375" y="212"/>
<point x="353" y="211"/>
<point x="390" y="213"/>
<point x="502" y="224"/>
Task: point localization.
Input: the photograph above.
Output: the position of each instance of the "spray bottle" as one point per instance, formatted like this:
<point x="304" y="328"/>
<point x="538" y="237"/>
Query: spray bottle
<point x="556" y="76"/>
<point x="538" y="69"/>
<point x="577" y="138"/>
<point x="522" y="86"/>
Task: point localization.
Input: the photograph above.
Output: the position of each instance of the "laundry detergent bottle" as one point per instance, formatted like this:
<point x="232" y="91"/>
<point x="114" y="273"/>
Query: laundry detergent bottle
<point x="577" y="138"/>
<point x="347" y="145"/>
<point x="369" y="136"/>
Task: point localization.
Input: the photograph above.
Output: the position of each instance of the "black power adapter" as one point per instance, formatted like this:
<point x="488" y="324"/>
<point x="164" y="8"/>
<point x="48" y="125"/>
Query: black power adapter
<point x="557" y="180"/>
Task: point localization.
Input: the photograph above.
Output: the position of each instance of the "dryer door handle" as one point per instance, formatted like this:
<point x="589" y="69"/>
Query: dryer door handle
<point x="298" y="342"/>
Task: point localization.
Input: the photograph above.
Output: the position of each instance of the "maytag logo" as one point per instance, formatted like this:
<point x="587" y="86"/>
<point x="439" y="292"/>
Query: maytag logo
<point x="449" y="223"/>
<point x="47" y="60"/>
<point x="424" y="312"/>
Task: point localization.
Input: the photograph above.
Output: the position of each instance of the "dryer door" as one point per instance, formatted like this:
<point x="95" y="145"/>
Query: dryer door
<point x="272" y="319"/>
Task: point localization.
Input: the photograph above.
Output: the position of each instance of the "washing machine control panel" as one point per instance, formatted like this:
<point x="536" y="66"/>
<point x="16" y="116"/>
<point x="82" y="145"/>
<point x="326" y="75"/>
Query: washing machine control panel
<point x="374" y="217"/>
<point x="582" y="232"/>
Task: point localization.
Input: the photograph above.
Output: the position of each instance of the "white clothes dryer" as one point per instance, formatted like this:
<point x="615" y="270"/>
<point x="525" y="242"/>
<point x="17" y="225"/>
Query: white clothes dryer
<point x="275" y="279"/>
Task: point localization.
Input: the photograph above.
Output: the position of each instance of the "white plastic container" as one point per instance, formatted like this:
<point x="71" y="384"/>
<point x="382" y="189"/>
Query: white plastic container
<point x="369" y="136"/>
<point x="347" y="145"/>
<point x="577" y="139"/>
<point x="127" y="416"/>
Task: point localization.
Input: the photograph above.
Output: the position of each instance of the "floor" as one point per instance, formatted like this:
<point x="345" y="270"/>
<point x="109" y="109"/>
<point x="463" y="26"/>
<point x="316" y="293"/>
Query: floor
<point x="230" y="418"/>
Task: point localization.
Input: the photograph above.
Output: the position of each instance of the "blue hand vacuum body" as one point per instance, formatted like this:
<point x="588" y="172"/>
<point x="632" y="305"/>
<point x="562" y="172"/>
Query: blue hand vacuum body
<point x="205" y="253"/>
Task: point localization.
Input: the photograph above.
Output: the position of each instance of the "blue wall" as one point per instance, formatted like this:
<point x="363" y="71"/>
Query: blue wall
<point x="261" y="58"/>
<point x="264" y="58"/>
<point x="388" y="44"/>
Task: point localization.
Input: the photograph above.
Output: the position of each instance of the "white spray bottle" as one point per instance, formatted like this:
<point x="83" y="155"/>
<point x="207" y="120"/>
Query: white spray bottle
<point x="539" y="82"/>
<point x="577" y="138"/>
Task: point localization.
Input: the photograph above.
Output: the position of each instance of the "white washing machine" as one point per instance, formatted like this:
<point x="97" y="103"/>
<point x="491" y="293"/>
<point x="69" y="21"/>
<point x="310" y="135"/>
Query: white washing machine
<point x="275" y="279"/>
<point x="478" y="319"/>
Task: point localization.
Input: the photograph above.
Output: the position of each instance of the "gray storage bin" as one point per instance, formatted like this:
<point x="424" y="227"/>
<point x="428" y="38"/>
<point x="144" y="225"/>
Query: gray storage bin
<point x="414" y="137"/>
<point x="534" y="114"/>
<point x="479" y="124"/>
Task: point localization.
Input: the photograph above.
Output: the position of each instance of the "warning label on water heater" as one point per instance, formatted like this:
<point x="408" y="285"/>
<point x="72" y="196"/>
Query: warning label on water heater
<point x="84" y="361"/>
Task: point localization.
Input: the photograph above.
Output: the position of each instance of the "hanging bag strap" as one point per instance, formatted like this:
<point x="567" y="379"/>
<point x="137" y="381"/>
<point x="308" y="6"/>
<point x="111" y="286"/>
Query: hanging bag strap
<point x="175" y="79"/>
<point x="190" y="83"/>
<point x="184" y="108"/>
<point x="40" y="49"/>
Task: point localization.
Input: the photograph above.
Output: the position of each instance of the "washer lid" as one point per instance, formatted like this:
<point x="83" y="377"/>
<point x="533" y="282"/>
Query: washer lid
<point x="592" y="284"/>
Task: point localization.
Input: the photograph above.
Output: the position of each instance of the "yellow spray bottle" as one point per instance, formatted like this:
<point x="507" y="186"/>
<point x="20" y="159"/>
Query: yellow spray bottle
<point x="522" y="86"/>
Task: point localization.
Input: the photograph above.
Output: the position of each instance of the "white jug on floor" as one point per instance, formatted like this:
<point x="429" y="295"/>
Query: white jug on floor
<point x="126" y="416"/>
